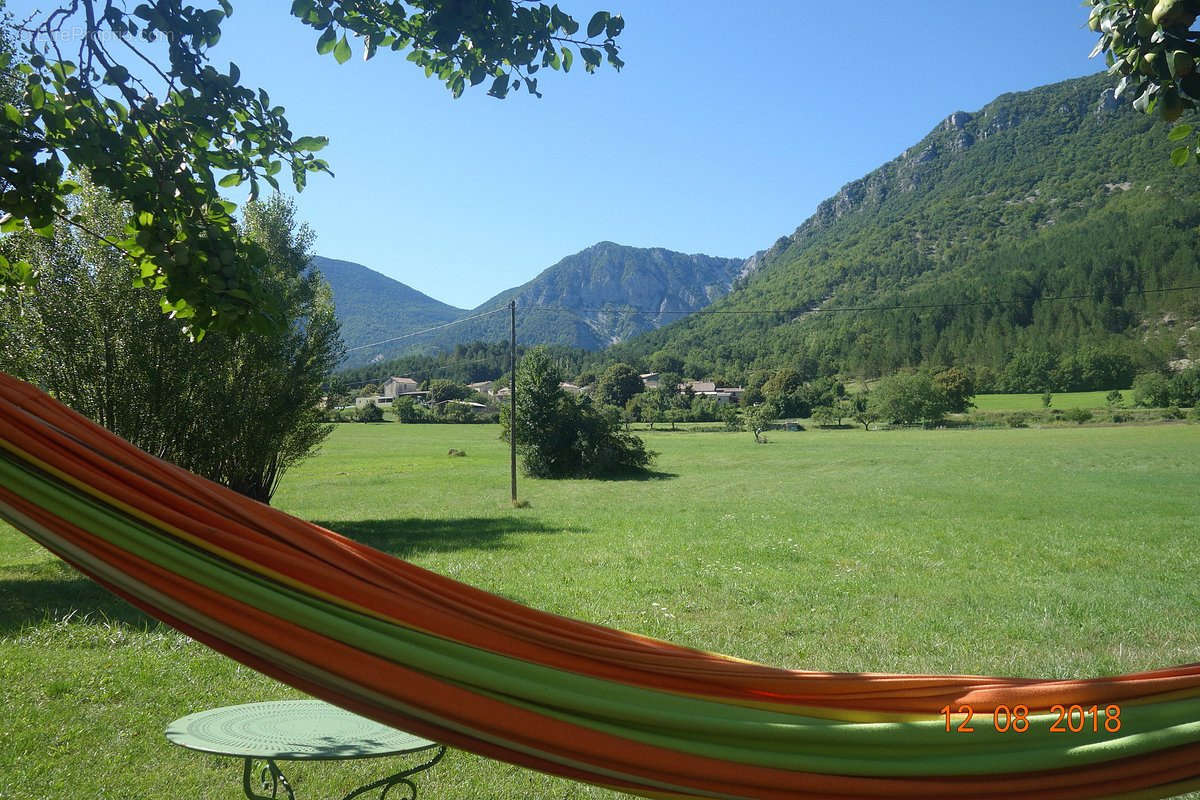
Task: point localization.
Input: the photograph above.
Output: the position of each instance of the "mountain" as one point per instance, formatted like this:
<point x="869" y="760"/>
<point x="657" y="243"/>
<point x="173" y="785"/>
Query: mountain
<point x="373" y="307"/>
<point x="578" y="301"/>
<point x="1059" y="192"/>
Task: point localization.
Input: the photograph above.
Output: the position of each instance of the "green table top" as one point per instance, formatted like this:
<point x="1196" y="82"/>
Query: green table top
<point x="291" y="730"/>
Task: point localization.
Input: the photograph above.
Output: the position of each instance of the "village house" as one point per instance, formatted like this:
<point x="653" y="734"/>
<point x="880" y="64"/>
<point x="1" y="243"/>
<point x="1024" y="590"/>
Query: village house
<point x="394" y="387"/>
<point x="650" y="380"/>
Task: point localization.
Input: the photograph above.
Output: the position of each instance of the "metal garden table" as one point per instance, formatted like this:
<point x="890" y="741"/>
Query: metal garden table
<point x="298" y="730"/>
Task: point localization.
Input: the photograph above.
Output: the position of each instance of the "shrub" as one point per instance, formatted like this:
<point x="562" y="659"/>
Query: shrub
<point x="1079" y="415"/>
<point x="561" y="436"/>
<point x="1017" y="420"/>
<point x="1173" y="412"/>
<point x="1151" y="390"/>
<point x="368" y="413"/>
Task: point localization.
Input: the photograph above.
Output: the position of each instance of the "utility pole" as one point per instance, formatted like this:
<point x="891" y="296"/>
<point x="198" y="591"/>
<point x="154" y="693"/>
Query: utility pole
<point x="512" y="395"/>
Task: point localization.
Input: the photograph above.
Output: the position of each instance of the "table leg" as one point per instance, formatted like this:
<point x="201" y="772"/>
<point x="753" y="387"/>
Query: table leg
<point x="270" y="779"/>
<point x="385" y="785"/>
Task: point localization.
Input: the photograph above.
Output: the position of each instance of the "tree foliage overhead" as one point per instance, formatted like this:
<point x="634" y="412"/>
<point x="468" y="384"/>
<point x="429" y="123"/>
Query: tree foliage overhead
<point x="1151" y="45"/>
<point x="164" y="134"/>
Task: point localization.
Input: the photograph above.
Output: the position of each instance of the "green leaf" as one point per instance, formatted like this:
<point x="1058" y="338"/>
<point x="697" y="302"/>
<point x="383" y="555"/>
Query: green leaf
<point x="13" y="115"/>
<point x="117" y="75"/>
<point x="300" y="8"/>
<point x="327" y="40"/>
<point x="312" y="144"/>
<point x="1179" y="132"/>
<point x="1181" y="156"/>
<point x="567" y="58"/>
<point x="342" y="51"/>
<point x="597" y="23"/>
<point x="232" y="179"/>
<point x="145" y="219"/>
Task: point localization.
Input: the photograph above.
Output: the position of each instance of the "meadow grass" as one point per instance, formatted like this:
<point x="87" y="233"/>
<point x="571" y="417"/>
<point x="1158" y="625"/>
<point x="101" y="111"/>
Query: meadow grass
<point x="1061" y="400"/>
<point x="1059" y="553"/>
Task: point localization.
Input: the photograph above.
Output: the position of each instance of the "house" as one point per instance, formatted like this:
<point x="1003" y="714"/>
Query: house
<point x="396" y="386"/>
<point x="502" y="393"/>
<point x="570" y="388"/>
<point x="379" y="400"/>
<point x="735" y="392"/>
<point x="700" y="387"/>
<point x="650" y="380"/>
<point x="482" y="387"/>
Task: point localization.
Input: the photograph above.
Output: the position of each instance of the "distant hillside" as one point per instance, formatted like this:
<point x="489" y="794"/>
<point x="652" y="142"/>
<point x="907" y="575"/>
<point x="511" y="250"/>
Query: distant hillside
<point x="1058" y="191"/>
<point x="574" y="302"/>
<point x="373" y="307"/>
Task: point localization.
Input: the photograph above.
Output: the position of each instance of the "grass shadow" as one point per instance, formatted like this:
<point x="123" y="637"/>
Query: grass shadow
<point x="639" y="475"/>
<point x="55" y="591"/>
<point x="405" y="538"/>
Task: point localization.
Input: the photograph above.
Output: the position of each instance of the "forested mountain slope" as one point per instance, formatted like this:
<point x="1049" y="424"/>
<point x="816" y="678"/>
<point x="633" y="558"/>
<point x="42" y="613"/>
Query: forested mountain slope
<point x="1055" y="192"/>
<point x="372" y="307"/>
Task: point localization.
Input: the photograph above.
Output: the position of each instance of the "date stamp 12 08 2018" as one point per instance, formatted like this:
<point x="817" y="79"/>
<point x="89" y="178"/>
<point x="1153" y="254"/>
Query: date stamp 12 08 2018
<point x="1070" y="719"/>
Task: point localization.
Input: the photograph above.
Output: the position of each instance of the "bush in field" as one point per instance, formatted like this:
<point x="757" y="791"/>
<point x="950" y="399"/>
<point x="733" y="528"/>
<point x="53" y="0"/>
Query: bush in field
<point x="909" y="398"/>
<point x="560" y="436"/>
<point x="1184" y="387"/>
<point x="1078" y="415"/>
<point x="406" y="410"/>
<point x="368" y="413"/>
<point x="1151" y="390"/>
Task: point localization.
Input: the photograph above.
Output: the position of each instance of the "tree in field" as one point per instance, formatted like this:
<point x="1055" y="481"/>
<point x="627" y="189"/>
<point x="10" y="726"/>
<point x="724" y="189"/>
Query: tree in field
<point x="862" y="410"/>
<point x="908" y="399"/>
<point x="758" y="418"/>
<point x="129" y="93"/>
<point x="237" y="408"/>
<point x="560" y="436"/>
<point x="1154" y="47"/>
<point x="618" y="383"/>
<point x="957" y="387"/>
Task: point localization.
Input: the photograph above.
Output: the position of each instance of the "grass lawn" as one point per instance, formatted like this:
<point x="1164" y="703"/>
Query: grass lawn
<point x="1062" y="552"/>
<point x="1063" y="400"/>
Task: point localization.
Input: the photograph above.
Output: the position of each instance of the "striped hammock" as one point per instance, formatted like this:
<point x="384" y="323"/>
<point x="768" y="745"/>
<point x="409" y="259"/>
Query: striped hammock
<point x="409" y="648"/>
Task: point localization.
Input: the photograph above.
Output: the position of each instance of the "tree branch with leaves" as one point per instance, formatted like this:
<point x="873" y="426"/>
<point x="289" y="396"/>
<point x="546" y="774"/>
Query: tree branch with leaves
<point x="1151" y="45"/>
<point x="165" y="133"/>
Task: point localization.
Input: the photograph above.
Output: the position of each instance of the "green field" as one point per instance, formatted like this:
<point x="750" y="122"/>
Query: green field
<point x="1061" y="552"/>
<point x="1062" y="400"/>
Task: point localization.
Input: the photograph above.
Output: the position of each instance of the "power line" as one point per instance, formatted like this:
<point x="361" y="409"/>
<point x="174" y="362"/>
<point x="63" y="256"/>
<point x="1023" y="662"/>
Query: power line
<point x="427" y="330"/>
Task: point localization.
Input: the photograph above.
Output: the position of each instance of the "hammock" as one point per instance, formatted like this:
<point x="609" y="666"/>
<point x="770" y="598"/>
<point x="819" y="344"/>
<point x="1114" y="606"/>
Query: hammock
<point x="418" y="651"/>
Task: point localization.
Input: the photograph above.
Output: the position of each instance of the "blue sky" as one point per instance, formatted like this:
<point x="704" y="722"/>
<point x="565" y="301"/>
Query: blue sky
<point x="729" y="124"/>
